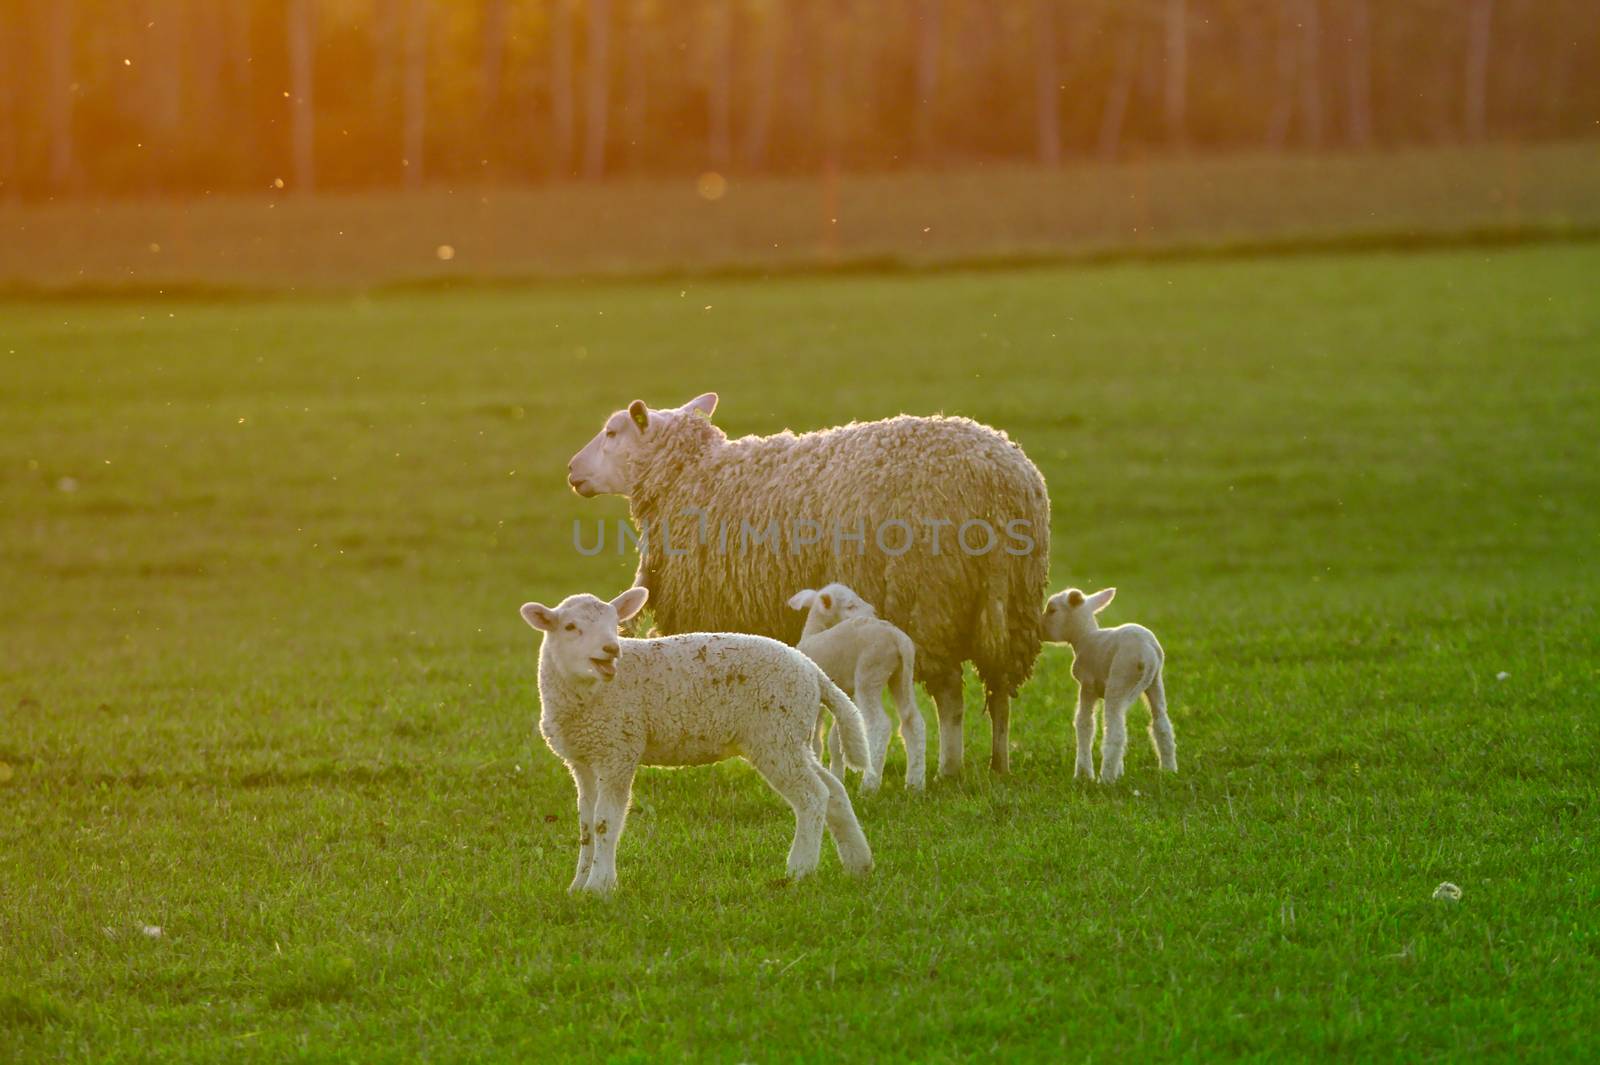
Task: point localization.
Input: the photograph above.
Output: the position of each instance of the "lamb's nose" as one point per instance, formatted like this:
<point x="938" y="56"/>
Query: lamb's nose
<point x="612" y="649"/>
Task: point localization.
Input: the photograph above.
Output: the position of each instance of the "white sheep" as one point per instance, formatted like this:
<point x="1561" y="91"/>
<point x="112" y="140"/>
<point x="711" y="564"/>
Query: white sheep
<point x="862" y="653"/>
<point x="942" y="522"/>
<point x="609" y="705"/>
<point x="1116" y="665"/>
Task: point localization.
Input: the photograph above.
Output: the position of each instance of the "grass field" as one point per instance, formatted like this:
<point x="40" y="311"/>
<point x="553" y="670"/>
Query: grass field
<point x="978" y="215"/>
<point x="265" y="687"/>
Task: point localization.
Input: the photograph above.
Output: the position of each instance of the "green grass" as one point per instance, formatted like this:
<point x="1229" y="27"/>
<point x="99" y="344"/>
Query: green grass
<point x="1143" y="208"/>
<point x="264" y="684"/>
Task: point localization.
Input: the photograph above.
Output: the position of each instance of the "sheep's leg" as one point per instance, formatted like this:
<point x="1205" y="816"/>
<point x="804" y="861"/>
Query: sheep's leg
<point x="836" y="751"/>
<point x="868" y="697"/>
<point x="1161" y="725"/>
<point x="1084" y="724"/>
<point x="848" y="839"/>
<point x="588" y="792"/>
<point x="791" y="775"/>
<point x="610" y="815"/>
<point x="1115" y="741"/>
<point x="946" y="692"/>
<point x="914" y="732"/>
<point x="999" y="707"/>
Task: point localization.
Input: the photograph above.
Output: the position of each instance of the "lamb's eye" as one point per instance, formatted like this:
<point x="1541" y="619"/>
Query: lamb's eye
<point x="571" y="627"/>
<point x="611" y="432"/>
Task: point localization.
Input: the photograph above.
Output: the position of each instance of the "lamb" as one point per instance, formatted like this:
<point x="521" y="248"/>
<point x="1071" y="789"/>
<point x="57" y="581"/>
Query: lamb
<point x="1114" y="664"/>
<point x="609" y="705"/>
<point x="862" y="653"/>
<point x="940" y="521"/>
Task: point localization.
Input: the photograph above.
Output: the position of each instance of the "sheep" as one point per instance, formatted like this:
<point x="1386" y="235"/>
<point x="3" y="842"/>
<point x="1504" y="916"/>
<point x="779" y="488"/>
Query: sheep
<point x="942" y="522"/>
<point x="609" y="705"/>
<point x="1116" y="665"/>
<point x="862" y="653"/>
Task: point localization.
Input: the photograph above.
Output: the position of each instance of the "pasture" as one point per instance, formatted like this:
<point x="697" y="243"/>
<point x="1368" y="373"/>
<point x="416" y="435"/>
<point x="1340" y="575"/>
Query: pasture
<point x="264" y="686"/>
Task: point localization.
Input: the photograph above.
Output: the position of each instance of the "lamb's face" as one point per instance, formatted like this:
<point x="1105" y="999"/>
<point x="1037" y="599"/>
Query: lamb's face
<point x="1070" y="613"/>
<point x="581" y="633"/>
<point x="832" y="604"/>
<point x="605" y="465"/>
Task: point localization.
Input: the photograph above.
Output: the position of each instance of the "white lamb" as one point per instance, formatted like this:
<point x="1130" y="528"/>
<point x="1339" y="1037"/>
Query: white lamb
<point x="1116" y="665"/>
<point x="862" y="653"/>
<point x="609" y="705"/>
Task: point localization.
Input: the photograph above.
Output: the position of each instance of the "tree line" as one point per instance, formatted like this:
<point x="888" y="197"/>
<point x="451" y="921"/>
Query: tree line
<point x="186" y="96"/>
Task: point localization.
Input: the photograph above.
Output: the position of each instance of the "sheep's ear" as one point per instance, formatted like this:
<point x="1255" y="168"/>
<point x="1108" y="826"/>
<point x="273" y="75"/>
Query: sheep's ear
<point x="640" y="414"/>
<point x="826" y="600"/>
<point x="539" y="616"/>
<point x="630" y="602"/>
<point x="1074" y="598"/>
<point x="801" y="599"/>
<point x="1099" y="600"/>
<point x="705" y="404"/>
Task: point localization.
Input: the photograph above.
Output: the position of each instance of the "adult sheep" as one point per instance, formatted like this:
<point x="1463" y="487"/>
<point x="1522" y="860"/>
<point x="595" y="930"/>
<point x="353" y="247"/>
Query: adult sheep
<point x="941" y="522"/>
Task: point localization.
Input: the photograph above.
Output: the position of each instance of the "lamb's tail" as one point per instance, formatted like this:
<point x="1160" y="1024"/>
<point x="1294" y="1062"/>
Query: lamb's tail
<point x="847" y="719"/>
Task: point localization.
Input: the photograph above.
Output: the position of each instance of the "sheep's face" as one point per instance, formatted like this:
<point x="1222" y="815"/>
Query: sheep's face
<point x="581" y="633"/>
<point x="832" y="604"/>
<point x="1069" y="614"/>
<point x="605" y="465"/>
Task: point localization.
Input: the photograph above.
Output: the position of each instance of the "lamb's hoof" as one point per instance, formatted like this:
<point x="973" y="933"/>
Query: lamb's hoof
<point x="1084" y="772"/>
<point x="916" y="784"/>
<point x="870" y="787"/>
<point x="1110" y="776"/>
<point x="860" y="871"/>
<point x="601" y="887"/>
<point x="801" y="873"/>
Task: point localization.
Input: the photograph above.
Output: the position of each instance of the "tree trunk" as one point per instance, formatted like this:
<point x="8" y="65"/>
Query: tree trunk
<point x="1046" y="83"/>
<point x="1311" y="73"/>
<point x="599" y="78"/>
<point x="1115" y="112"/>
<point x="1480" y="26"/>
<point x="1175" y="96"/>
<point x="719" y="84"/>
<point x="563" y="125"/>
<point x="492" y="72"/>
<point x="1358" y="74"/>
<point x="302" y="111"/>
<point x="636" y="83"/>
<point x="930" y="32"/>
<point x="416" y="93"/>
<point x="58" y="28"/>
<point x="764" y="90"/>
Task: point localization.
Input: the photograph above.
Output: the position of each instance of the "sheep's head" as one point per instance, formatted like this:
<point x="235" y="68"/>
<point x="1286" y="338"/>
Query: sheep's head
<point x="1070" y="614"/>
<point x="605" y="465"/>
<point x="581" y="632"/>
<point x="831" y="604"/>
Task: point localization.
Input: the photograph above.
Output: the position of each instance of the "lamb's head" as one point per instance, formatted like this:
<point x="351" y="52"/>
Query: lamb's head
<point x="830" y="605"/>
<point x="605" y="465"/>
<point x="581" y="632"/>
<point x="1070" y="614"/>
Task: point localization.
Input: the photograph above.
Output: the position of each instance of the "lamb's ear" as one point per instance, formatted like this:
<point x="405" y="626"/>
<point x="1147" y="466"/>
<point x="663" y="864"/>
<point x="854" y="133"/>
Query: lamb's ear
<point x="1074" y="598"/>
<point x="640" y="414"/>
<point x="826" y="600"/>
<point x="630" y="602"/>
<point x="705" y="404"/>
<point x="1099" y="600"/>
<point x="802" y="599"/>
<point x="539" y="616"/>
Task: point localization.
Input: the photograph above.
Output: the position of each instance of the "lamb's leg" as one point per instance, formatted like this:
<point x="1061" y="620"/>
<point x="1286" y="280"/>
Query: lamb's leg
<point x="836" y="751"/>
<point x="1115" y="741"/>
<point x="913" y="731"/>
<point x="790" y="774"/>
<point x="588" y="792"/>
<point x="819" y="734"/>
<point x="868" y="697"/>
<point x="848" y="839"/>
<point x="999" y="707"/>
<point x="1161" y="725"/>
<point x="1084" y="724"/>
<point x="946" y="692"/>
<point x="610" y="815"/>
